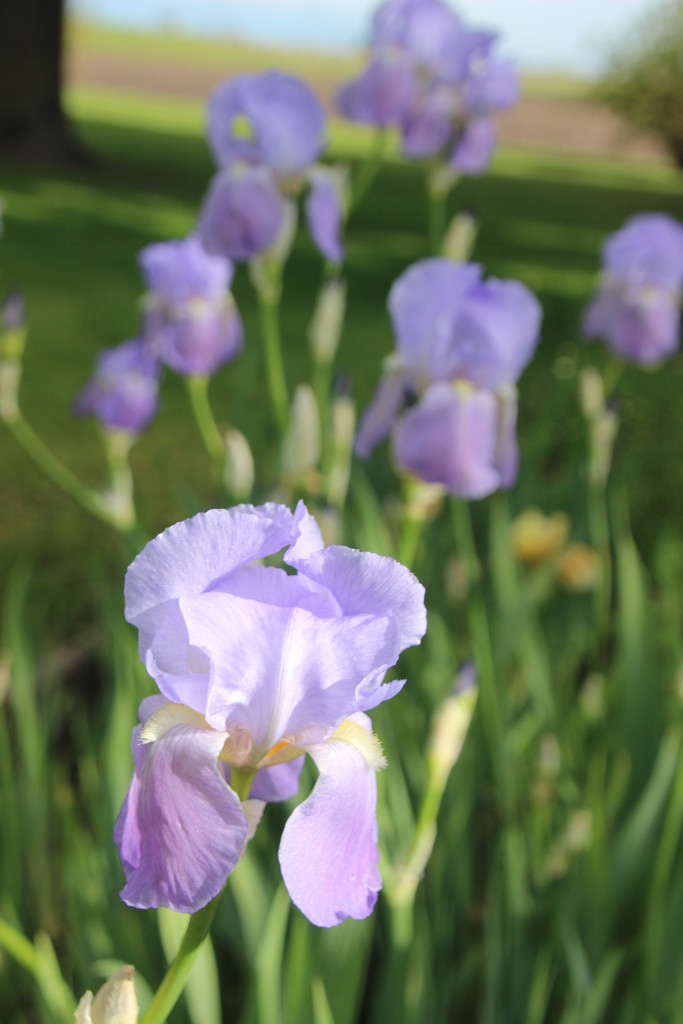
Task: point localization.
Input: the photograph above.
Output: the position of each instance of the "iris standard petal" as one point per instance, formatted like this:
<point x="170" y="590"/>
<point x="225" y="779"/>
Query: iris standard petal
<point x="424" y="303"/>
<point x="194" y="554"/>
<point x="450" y="438"/>
<point x="123" y="393"/>
<point x="324" y="214"/>
<point x="647" y="250"/>
<point x="181" y="829"/>
<point x="181" y="270"/>
<point x="288" y="121"/>
<point x="280" y="671"/>
<point x="496" y="333"/>
<point x="241" y="214"/>
<point x="328" y="852"/>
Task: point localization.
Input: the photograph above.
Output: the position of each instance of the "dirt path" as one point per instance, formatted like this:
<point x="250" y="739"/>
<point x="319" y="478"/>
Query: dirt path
<point x="559" y="125"/>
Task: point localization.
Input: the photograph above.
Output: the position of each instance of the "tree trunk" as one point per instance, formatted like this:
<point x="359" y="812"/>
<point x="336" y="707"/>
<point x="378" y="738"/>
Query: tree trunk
<point x="32" y="121"/>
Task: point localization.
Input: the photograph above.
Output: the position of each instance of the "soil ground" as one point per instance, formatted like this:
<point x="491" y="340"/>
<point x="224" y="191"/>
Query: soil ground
<point x="565" y="124"/>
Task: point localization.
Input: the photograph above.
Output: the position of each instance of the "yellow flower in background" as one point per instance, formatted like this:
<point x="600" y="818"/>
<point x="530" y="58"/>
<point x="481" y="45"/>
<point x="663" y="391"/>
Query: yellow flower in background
<point x="536" y="536"/>
<point x="579" y="567"/>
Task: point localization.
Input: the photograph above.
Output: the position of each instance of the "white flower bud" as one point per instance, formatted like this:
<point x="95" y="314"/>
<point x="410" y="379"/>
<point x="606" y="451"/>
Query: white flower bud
<point x="327" y="321"/>
<point x="461" y="235"/>
<point x="115" y="1003"/>
<point x="238" y="475"/>
<point x="301" y="446"/>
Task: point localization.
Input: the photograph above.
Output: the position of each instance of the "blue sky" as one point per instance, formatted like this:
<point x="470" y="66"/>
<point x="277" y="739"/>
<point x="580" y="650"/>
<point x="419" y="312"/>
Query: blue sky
<point x="541" y="34"/>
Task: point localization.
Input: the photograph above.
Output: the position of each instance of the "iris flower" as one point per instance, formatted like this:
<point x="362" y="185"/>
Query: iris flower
<point x="123" y="393"/>
<point x="448" y="392"/>
<point x="267" y="133"/>
<point x="190" y="316"/>
<point x="258" y="666"/>
<point x="637" y="306"/>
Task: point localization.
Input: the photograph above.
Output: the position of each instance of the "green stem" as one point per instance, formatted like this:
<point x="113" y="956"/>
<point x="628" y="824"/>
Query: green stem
<point x="170" y="990"/>
<point x="368" y="172"/>
<point x="275" y="371"/>
<point x="58" y="473"/>
<point x="410" y="538"/>
<point x="198" y="391"/>
<point x="481" y="650"/>
<point x="437" y="220"/>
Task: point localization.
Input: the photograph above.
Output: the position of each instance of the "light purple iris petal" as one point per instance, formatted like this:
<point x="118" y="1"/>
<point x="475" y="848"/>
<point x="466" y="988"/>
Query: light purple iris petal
<point x="424" y="304"/>
<point x="197" y="340"/>
<point x="281" y="782"/>
<point x="181" y="829"/>
<point x="641" y="328"/>
<point x="197" y="553"/>
<point x="450" y="438"/>
<point x="379" y="417"/>
<point x="324" y="215"/>
<point x="474" y="149"/>
<point x="648" y="250"/>
<point x="241" y="214"/>
<point x="496" y="333"/>
<point x="123" y="393"/>
<point x="491" y="85"/>
<point x="428" y="31"/>
<point x="178" y="271"/>
<point x="279" y="671"/>
<point x="328" y="852"/>
<point x="285" y="123"/>
<point x="364" y="583"/>
<point x="381" y="96"/>
<point x="428" y="125"/>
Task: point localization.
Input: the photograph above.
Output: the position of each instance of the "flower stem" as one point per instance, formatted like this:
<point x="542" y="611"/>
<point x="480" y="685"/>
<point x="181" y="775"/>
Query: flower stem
<point x="437" y="220"/>
<point x="171" y="988"/>
<point x="198" y="391"/>
<point x="59" y="474"/>
<point x="275" y="371"/>
<point x="481" y="648"/>
<point x="410" y="538"/>
<point x="368" y="171"/>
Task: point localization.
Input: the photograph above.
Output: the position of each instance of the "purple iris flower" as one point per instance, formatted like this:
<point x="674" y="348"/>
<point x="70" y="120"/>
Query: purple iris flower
<point x="124" y="390"/>
<point x="271" y="120"/>
<point x="438" y="81"/>
<point x="461" y="345"/>
<point x="190" y="312"/>
<point x="257" y="666"/>
<point x="266" y="132"/>
<point x="637" y="306"/>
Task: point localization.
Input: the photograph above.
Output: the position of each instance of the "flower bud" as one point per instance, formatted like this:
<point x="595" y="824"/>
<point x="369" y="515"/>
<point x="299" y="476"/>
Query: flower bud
<point x="327" y="321"/>
<point x="450" y="725"/>
<point x="591" y="393"/>
<point x="603" y="435"/>
<point x="115" y="1003"/>
<point x="301" y="446"/>
<point x="461" y="235"/>
<point x="343" y="430"/>
<point x="239" y="464"/>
